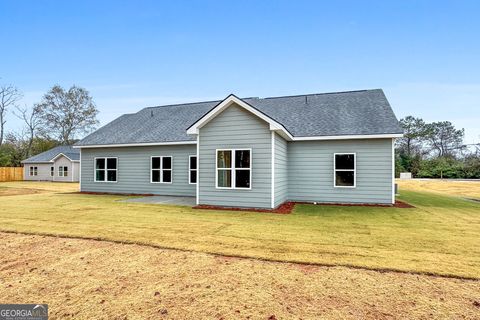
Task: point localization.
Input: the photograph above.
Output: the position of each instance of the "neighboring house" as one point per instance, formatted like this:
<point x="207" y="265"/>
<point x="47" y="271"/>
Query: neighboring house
<point x="252" y="152"/>
<point x="57" y="164"/>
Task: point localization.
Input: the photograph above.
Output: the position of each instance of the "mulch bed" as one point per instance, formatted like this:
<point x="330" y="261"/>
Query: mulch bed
<point x="287" y="207"/>
<point x="284" y="208"/>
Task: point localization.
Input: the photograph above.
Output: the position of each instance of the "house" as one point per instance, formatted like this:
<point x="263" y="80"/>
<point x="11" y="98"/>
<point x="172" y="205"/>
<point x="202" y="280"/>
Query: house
<point x="252" y="152"/>
<point x="61" y="163"/>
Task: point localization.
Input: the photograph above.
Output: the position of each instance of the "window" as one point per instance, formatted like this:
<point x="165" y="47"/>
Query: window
<point x="161" y="170"/>
<point x="192" y="169"/>
<point x="234" y="169"/>
<point x="345" y="174"/>
<point x="62" y="171"/>
<point x="33" y="171"/>
<point x="106" y="169"/>
<point x="52" y="171"/>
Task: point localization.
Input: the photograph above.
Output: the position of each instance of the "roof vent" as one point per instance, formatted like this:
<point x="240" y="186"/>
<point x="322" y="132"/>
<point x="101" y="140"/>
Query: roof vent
<point x="151" y="113"/>
<point x="306" y="99"/>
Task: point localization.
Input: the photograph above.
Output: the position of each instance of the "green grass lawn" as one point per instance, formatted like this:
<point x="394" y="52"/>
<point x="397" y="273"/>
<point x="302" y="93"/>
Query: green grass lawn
<point x="440" y="236"/>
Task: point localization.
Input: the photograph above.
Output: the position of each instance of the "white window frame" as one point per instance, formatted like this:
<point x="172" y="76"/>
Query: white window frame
<point x="233" y="169"/>
<point x="32" y="171"/>
<point x="95" y="170"/>
<point x="52" y="171"/>
<point x="161" y="169"/>
<point x="354" y="170"/>
<point x="61" y="171"/>
<point x="190" y="168"/>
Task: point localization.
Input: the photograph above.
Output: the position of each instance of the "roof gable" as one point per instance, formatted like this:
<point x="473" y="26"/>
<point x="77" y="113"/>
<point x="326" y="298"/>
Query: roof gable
<point x="50" y="155"/>
<point x="234" y="100"/>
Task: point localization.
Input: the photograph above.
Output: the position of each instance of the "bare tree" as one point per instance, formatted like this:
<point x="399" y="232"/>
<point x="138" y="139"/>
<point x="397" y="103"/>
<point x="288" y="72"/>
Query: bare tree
<point x="9" y="96"/>
<point x="32" y="121"/>
<point x="65" y="114"/>
<point x="444" y="138"/>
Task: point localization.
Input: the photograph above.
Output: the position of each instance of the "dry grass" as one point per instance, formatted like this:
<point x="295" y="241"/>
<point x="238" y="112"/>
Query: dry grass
<point x="465" y="189"/>
<point x="32" y="187"/>
<point x="42" y="185"/>
<point x="17" y="191"/>
<point x="86" y="279"/>
<point x="440" y="236"/>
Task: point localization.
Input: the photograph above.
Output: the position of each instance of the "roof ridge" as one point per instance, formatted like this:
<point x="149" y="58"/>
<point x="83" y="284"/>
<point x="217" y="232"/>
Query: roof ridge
<point x="245" y="98"/>
<point x="180" y="104"/>
<point x="320" y="94"/>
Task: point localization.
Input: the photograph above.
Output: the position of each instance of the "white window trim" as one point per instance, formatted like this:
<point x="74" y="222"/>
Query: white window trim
<point x="95" y="170"/>
<point x="233" y="169"/>
<point x="52" y="172"/>
<point x="354" y="170"/>
<point x="32" y="171"/>
<point x="190" y="169"/>
<point x="161" y="169"/>
<point x="61" y="173"/>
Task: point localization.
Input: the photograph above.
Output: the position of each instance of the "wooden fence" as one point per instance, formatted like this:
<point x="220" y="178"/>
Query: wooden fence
<point x="11" y="174"/>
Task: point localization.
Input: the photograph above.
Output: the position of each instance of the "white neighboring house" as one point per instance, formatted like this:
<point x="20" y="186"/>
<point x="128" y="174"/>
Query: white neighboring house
<point x="60" y="164"/>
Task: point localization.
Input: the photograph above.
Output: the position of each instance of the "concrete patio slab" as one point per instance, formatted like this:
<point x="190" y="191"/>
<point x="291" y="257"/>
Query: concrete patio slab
<point x="174" y="200"/>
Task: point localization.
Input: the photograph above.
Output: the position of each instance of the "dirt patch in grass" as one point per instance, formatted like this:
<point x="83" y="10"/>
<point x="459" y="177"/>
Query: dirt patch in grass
<point x="18" y="191"/>
<point x="86" y="279"/>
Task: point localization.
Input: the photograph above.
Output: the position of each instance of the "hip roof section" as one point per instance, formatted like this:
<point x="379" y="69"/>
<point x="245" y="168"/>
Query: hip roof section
<point x="353" y="113"/>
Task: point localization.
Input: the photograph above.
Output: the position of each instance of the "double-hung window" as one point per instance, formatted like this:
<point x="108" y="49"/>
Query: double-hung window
<point x="63" y="171"/>
<point x="234" y="169"/>
<point x="344" y="170"/>
<point x="52" y="171"/>
<point x="33" y="171"/>
<point x="161" y="169"/>
<point x="192" y="169"/>
<point x="106" y="169"/>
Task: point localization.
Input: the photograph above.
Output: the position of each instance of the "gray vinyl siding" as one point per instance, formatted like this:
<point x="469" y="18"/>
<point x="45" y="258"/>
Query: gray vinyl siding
<point x="281" y="173"/>
<point x="43" y="172"/>
<point x="310" y="171"/>
<point x="133" y="175"/>
<point x="64" y="162"/>
<point x="236" y="128"/>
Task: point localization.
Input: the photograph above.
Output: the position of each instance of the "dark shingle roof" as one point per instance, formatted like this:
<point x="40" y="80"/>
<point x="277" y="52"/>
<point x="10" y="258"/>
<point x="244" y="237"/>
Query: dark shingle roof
<point x="47" y="156"/>
<point x="365" y="112"/>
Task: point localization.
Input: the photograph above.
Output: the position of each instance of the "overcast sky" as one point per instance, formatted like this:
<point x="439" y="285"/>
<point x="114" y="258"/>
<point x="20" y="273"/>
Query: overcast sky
<point x="132" y="54"/>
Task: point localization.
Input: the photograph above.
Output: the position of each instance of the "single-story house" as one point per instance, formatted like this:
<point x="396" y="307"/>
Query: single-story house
<point x="253" y="152"/>
<point x="61" y="163"/>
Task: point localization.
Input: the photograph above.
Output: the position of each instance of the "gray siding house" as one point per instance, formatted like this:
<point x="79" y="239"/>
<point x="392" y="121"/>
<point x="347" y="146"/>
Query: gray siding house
<point x="259" y="153"/>
<point x="61" y="164"/>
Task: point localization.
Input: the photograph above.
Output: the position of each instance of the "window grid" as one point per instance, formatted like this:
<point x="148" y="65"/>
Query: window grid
<point x="192" y="170"/>
<point x="161" y="170"/>
<point x="105" y="169"/>
<point x="33" y="171"/>
<point x="62" y="171"/>
<point x="233" y="169"/>
<point x="354" y="170"/>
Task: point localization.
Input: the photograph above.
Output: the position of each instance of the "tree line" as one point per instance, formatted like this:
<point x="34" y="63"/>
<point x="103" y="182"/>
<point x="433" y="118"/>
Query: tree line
<point x="427" y="150"/>
<point x="59" y="118"/>
<point x="435" y="150"/>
